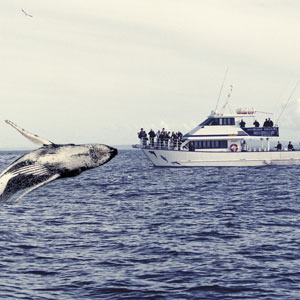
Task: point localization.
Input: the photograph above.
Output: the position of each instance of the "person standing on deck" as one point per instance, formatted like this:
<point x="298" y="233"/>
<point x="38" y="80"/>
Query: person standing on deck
<point x="291" y="147"/>
<point x="143" y="137"/>
<point x="256" y="123"/>
<point x="242" y="123"/>
<point x="157" y="139"/>
<point x="279" y="146"/>
<point x="191" y="146"/>
<point x="152" y="135"/>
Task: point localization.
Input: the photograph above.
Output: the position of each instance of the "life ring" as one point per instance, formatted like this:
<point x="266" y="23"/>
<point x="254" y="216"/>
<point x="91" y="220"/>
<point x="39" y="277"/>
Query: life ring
<point x="234" y="147"/>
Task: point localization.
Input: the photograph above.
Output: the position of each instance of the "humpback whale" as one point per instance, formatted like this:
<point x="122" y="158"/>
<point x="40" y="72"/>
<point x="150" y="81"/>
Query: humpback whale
<point x="49" y="162"/>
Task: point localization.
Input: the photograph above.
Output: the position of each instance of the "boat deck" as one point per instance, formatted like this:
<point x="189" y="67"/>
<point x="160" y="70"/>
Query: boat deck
<point x="170" y="146"/>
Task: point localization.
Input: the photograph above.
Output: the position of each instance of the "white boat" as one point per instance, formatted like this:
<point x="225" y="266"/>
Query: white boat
<point x="221" y="141"/>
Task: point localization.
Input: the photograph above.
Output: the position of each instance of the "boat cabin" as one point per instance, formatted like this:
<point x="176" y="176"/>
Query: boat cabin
<point x="228" y="132"/>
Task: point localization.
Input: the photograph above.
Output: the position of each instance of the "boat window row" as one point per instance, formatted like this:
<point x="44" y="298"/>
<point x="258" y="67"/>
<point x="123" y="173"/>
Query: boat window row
<point x="210" y="144"/>
<point x="218" y="121"/>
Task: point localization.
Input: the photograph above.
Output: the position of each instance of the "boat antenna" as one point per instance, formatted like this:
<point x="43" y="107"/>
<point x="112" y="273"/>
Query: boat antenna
<point x="221" y="89"/>
<point x="288" y="100"/>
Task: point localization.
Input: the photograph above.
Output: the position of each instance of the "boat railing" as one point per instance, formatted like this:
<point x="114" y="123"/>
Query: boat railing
<point x="177" y="146"/>
<point x="161" y="144"/>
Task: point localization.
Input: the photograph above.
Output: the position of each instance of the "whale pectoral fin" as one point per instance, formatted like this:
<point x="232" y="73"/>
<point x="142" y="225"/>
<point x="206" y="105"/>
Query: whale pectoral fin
<point x="38" y="185"/>
<point x="24" y="176"/>
<point x="32" y="137"/>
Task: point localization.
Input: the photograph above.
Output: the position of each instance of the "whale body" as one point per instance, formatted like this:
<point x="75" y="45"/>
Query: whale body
<point x="50" y="162"/>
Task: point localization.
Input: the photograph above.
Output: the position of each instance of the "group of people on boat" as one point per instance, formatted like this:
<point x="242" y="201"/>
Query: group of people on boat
<point x="290" y="146"/>
<point x="164" y="138"/>
<point x="268" y="123"/>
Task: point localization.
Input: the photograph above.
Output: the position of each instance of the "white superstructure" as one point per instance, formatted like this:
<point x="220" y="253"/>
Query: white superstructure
<point x="222" y="140"/>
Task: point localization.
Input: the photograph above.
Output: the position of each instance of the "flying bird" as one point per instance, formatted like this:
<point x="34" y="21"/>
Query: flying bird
<point x="26" y="14"/>
<point x="50" y="162"/>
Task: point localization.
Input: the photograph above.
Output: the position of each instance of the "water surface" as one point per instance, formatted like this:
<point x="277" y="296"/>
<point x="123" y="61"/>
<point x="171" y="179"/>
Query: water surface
<point x="128" y="230"/>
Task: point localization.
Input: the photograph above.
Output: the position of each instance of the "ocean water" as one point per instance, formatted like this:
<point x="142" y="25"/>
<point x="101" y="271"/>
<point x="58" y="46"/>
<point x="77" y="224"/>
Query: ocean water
<point x="128" y="230"/>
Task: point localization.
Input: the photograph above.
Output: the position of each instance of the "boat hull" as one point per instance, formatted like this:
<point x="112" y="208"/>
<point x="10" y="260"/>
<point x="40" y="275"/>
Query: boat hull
<point x="173" y="158"/>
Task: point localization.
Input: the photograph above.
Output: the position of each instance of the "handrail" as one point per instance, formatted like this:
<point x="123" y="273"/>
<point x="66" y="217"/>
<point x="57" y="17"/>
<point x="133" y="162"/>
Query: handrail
<point x="162" y="144"/>
<point x="179" y="146"/>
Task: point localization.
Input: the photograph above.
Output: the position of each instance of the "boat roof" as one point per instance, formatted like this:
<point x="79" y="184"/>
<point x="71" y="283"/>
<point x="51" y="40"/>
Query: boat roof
<point x="221" y="125"/>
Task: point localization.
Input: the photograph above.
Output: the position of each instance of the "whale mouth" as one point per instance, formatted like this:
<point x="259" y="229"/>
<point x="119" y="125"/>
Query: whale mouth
<point x="113" y="152"/>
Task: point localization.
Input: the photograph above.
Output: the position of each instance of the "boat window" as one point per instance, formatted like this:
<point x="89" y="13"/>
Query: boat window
<point x="210" y="144"/>
<point x="217" y="121"/>
<point x="223" y="144"/>
<point x="210" y="122"/>
<point x="206" y="122"/>
<point x="227" y="121"/>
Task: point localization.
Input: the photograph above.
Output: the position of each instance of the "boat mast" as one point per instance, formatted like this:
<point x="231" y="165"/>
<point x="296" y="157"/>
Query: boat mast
<point x="221" y="90"/>
<point x="288" y="101"/>
<point x="227" y="101"/>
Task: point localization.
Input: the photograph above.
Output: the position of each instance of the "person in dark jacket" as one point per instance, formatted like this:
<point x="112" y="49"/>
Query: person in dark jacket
<point x="152" y="135"/>
<point x="256" y="123"/>
<point x="161" y="138"/>
<point x="191" y="146"/>
<point x="291" y="147"/>
<point x="270" y="122"/>
<point x="179" y="135"/>
<point x="143" y="136"/>
<point x="279" y="146"/>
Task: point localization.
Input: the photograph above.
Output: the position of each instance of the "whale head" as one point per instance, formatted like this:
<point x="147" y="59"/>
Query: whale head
<point x="102" y="153"/>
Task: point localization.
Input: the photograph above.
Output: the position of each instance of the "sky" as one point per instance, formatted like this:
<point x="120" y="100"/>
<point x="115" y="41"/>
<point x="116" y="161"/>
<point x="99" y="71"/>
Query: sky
<point x="96" y="71"/>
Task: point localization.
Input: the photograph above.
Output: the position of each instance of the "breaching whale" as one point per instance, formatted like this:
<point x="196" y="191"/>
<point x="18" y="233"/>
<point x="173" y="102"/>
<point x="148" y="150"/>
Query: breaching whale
<point x="50" y="162"/>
